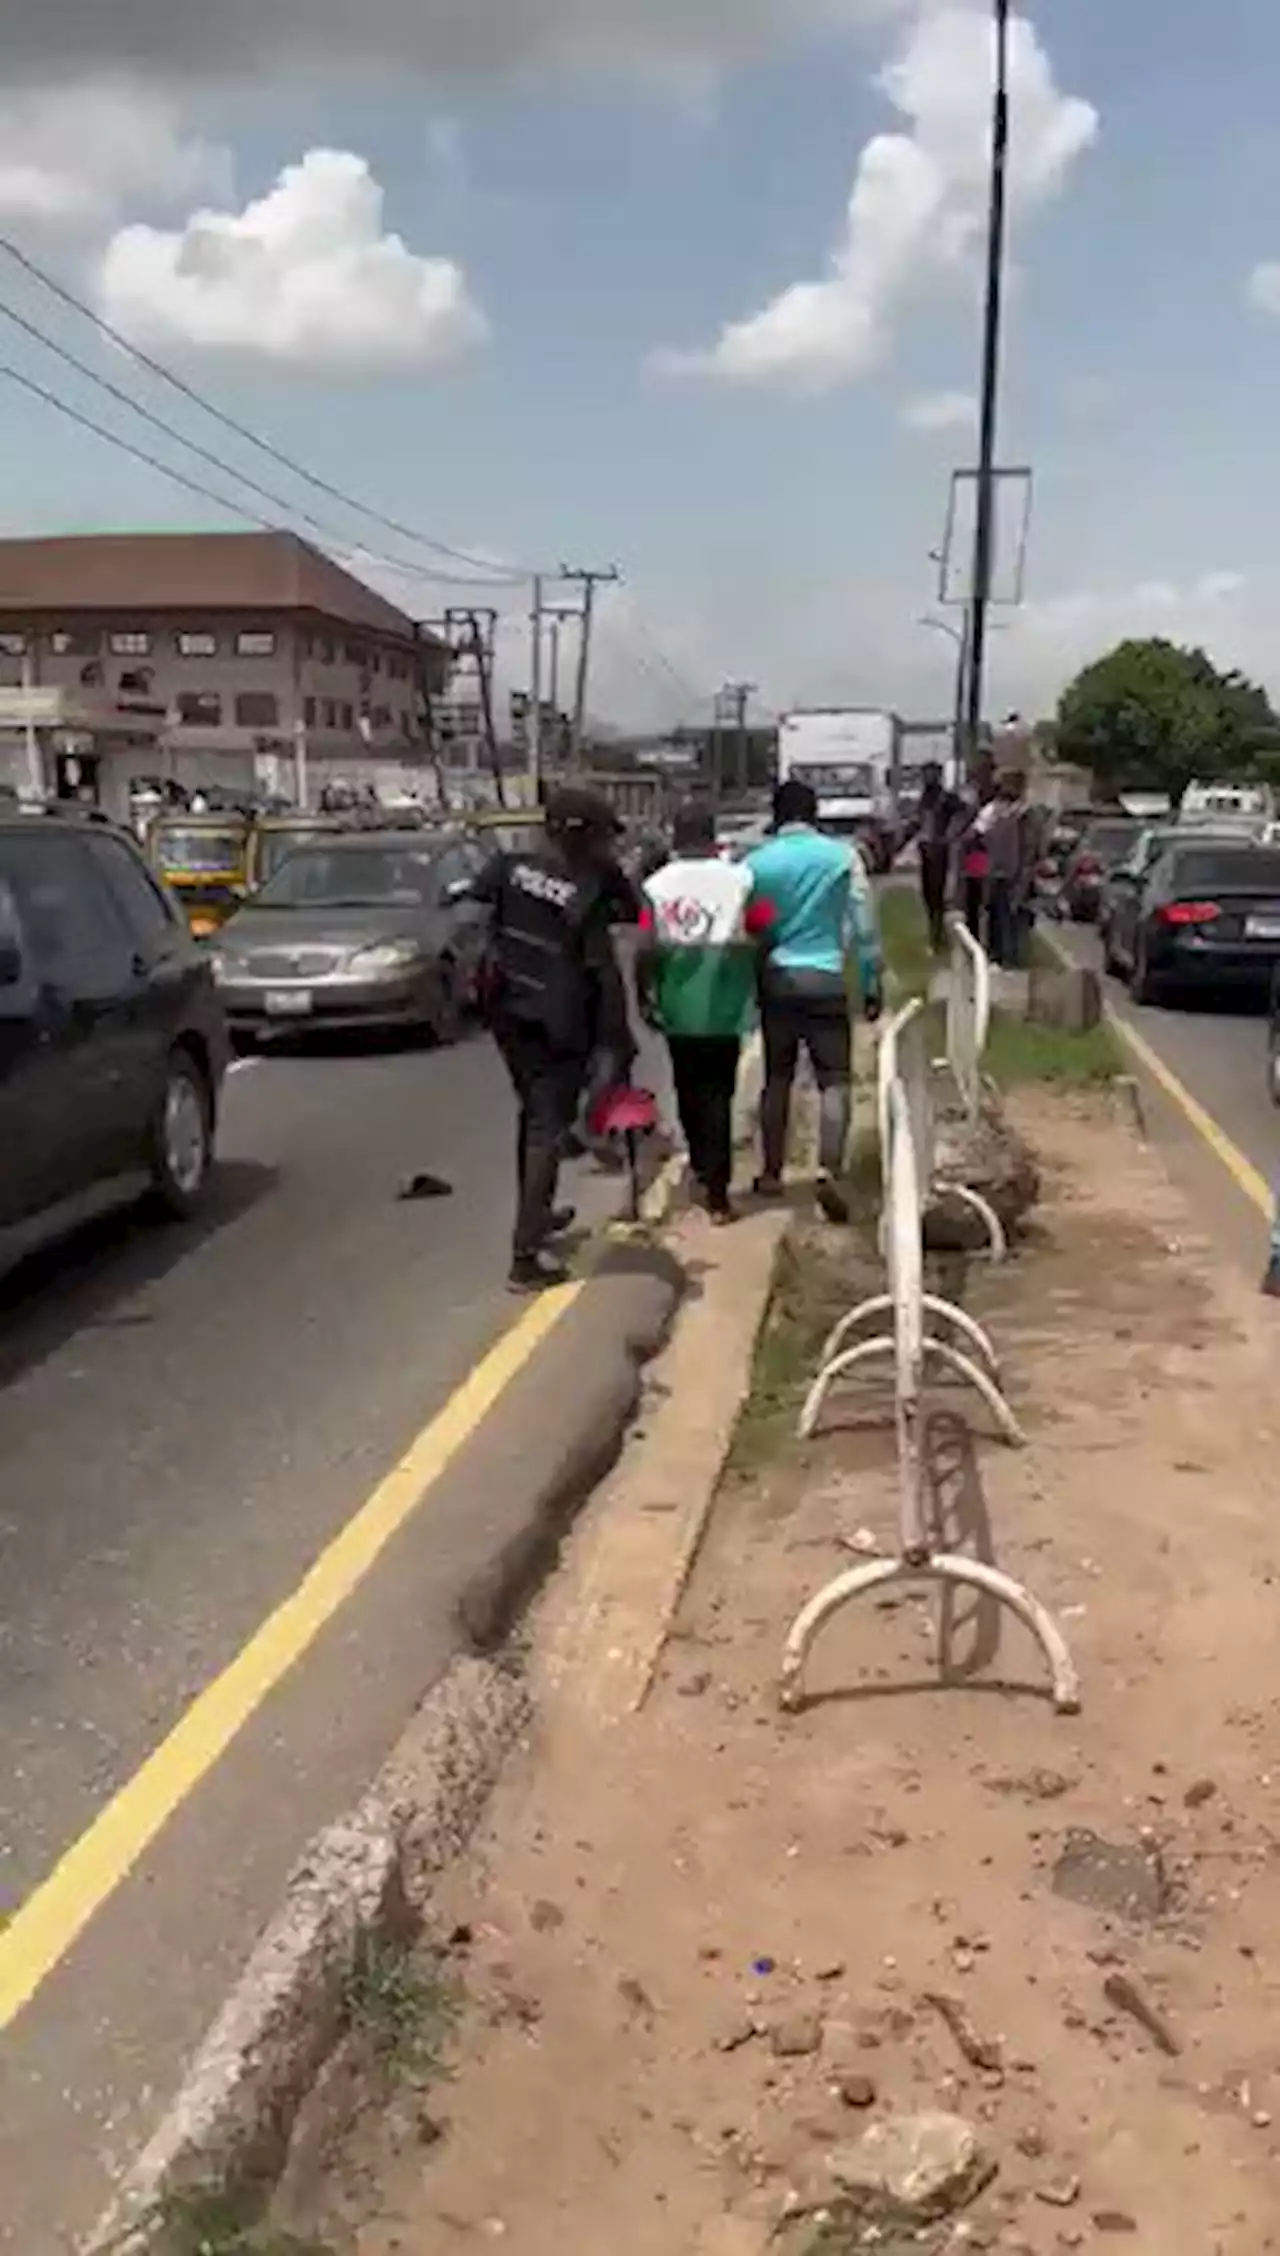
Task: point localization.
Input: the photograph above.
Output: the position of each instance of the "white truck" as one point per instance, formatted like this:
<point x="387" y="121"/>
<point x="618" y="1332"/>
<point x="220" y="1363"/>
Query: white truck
<point x="850" y="755"/>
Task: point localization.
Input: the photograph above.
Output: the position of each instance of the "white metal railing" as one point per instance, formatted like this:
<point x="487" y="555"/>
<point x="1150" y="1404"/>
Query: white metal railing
<point x="968" y="1014"/>
<point x="921" y="1334"/>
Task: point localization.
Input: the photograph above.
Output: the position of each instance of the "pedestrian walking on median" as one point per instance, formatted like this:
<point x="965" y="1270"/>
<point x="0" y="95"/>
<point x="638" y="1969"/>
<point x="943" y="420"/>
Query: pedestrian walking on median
<point x="937" y="825"/>
<point x="554" y="998"/>
<point x="824" y="933"/>
<point x="697" y="972"/>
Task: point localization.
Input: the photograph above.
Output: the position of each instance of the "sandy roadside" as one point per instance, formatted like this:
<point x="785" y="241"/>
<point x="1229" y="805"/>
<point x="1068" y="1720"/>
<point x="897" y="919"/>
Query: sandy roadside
<point x="703" y="1945"/>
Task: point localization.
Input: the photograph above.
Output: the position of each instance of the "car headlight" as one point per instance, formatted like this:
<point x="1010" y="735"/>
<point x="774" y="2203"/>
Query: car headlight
<point x="225" y="966"/>
<point x="384" y="959"/>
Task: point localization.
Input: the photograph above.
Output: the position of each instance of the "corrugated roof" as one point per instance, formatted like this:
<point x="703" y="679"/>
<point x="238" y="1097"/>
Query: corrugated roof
<point x="147" y="572"/>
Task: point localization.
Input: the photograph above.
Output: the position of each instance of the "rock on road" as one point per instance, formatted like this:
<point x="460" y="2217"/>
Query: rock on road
<point x="187" y="1417"/>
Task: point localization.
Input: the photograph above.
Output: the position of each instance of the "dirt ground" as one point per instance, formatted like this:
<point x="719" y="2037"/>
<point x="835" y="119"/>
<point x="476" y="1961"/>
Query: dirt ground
<point x="704" y="1946"/>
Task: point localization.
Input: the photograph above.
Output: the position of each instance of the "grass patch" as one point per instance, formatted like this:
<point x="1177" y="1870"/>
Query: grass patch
<point x="403" y="2004"/>
<point x="1019" y="1052"/>
<point x="904" y="936"/>
<point x="205" y="2222"/>
<point x="804" y="1306"/>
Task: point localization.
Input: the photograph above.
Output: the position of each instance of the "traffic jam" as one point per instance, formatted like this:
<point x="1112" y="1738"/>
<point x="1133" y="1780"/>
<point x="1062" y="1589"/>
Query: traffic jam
<point x="134" y="973"/>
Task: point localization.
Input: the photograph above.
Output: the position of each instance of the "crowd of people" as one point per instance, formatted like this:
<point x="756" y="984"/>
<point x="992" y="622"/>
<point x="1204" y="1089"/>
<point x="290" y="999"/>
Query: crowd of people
<point x="789" y="933"/>
<point x="978" y="853"/>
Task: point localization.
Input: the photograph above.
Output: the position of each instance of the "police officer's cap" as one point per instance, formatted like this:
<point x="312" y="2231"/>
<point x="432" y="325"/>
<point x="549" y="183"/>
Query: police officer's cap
<point x="583" y="814"/>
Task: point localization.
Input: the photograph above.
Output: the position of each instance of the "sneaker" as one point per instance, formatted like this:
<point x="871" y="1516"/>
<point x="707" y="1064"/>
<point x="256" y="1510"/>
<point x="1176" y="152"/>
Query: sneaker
<point x="831" y="1199"/>
<point x="535" y="1273"/>
<point x="768" y="1186"/>
<point x="560" y="1219"/>
<point x="721" y="1213"/>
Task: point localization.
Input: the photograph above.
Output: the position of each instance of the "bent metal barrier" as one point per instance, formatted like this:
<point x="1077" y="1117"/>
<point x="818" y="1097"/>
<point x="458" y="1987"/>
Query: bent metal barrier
<point x="968" y="1014"/>
<point x="915" y="1338"/>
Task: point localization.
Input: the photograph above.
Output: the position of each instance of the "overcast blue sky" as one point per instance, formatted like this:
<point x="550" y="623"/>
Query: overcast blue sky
<point x="601" y="370"/>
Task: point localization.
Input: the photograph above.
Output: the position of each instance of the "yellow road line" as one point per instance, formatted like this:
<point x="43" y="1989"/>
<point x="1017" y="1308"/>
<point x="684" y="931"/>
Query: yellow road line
<point x="44" y="1929"/>
<point x="1242" y="1171"/>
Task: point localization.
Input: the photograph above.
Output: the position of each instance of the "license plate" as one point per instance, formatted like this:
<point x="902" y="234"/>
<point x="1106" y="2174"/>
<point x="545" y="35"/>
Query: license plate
<point x="289" y="1002"/>
<point x="1262" y="928"/>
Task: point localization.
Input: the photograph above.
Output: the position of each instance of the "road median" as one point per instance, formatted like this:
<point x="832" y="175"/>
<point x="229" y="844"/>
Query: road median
<point x="1046" y="2016"/>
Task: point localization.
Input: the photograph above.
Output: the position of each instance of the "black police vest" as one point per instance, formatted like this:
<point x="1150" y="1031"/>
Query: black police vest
<point x="542" y="948"/>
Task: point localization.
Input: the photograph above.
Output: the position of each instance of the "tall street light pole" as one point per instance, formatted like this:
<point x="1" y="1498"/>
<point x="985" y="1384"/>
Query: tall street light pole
<point x="960" y="637"/>
<point x="984" y="531"/>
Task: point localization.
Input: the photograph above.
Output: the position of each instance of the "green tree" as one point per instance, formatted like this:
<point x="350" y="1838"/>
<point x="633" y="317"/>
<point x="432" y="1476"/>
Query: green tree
<point x="1150" y="716"/>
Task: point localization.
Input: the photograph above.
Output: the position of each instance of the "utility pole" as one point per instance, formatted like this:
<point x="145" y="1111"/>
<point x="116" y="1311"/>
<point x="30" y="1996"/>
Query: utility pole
<point x="983" y="542"/>
<point x="535" y="693"/>
<point x="482" y="649"/>
<point x="588" y="581"/>
<point x="731" y="704"/>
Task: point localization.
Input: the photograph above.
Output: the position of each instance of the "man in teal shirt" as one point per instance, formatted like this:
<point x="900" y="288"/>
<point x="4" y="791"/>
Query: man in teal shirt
<point x="823" y="925"/>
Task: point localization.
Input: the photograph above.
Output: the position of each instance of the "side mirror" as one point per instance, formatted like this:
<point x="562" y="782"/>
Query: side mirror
<point x="459" y="891"/>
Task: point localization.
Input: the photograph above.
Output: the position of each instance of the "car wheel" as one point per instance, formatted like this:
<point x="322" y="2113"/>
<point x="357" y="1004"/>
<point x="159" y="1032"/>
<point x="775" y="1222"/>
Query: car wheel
<point x="1145" y="985"/>
<point x="182" y="1137"/>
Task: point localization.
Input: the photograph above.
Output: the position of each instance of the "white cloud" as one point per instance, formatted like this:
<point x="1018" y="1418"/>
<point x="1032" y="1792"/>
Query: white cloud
<point x="1263" y="286"/>
<point x="305" y="277"/>
<point x="918" y="206"/>
<point x="75" y="156"/>
<point x="940" y="411"/>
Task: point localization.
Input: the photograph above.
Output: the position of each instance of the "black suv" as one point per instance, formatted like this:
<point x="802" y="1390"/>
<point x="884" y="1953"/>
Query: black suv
<point x="113" y="1044"/>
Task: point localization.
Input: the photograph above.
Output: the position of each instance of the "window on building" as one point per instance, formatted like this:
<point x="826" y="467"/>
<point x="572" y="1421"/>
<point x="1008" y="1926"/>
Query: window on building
<point x="382" y="716"/>
<point x="324" y="650"/>
<point x="199" y="708"/>
<point x="13" y="646"/>
<point x="257" y="709"/>
<point x="75" y="642"/>
<point x="255" y="642"/>
<point x="354" y="654"/>
<point x="330" y="713"/>
<point x="200" y="644"/>
<point x="408" y="724"/>
<point x="131" y="642"/>
<point x="346" y="717"/>
<point x="309" y="710"/>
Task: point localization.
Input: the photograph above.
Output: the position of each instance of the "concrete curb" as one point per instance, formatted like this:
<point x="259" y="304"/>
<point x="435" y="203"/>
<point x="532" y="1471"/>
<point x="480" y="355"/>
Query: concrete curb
<point x="372" y="1871"/>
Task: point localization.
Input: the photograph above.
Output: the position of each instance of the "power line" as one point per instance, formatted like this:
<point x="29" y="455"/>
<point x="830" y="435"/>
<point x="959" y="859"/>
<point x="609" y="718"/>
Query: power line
<point x="242" y="430"/>
<point x="232" y="504"/>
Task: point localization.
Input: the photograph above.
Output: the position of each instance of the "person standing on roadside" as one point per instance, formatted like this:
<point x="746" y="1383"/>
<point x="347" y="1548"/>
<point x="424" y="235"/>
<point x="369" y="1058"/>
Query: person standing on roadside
<point x="697" y="974"/>
<point x="1011" y="838"/>
<point x="937" y="825"/>
<point x="554" y="997"/>
<point x="823" y="929"/>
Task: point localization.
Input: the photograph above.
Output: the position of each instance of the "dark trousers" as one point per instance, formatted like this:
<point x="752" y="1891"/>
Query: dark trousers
<point x="548" y="1084"/>
<point x="821" y="1026"/>
<point x="935" y="864"/>
<point x="704" y="1068"/>
<point x="1004" y="921"/>
<point x="975" y="908"/>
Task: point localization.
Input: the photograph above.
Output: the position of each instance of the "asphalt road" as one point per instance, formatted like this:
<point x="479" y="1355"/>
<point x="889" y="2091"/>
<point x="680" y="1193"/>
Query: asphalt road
<point x="1216" y="1045"/>
<point x="187" y="1416"/>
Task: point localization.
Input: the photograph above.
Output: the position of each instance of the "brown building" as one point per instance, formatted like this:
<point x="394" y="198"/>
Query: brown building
<point x="224" y="660"/>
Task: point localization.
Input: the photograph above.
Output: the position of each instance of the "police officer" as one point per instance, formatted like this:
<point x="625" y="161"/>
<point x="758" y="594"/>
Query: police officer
<point x="554" y="996"/>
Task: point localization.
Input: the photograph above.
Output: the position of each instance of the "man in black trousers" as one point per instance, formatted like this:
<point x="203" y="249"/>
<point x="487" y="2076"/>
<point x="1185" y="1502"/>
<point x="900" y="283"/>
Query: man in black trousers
<point x="938" y="823"/>
<point x="554" y="998"/>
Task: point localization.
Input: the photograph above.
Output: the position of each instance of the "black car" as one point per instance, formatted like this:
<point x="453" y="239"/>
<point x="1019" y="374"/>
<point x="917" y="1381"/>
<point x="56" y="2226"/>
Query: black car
<point x="1099" y="850"/>
<point x="363" y="929"/>
<point x="1204" y="915"/>
<point x="113" y="1044"/>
